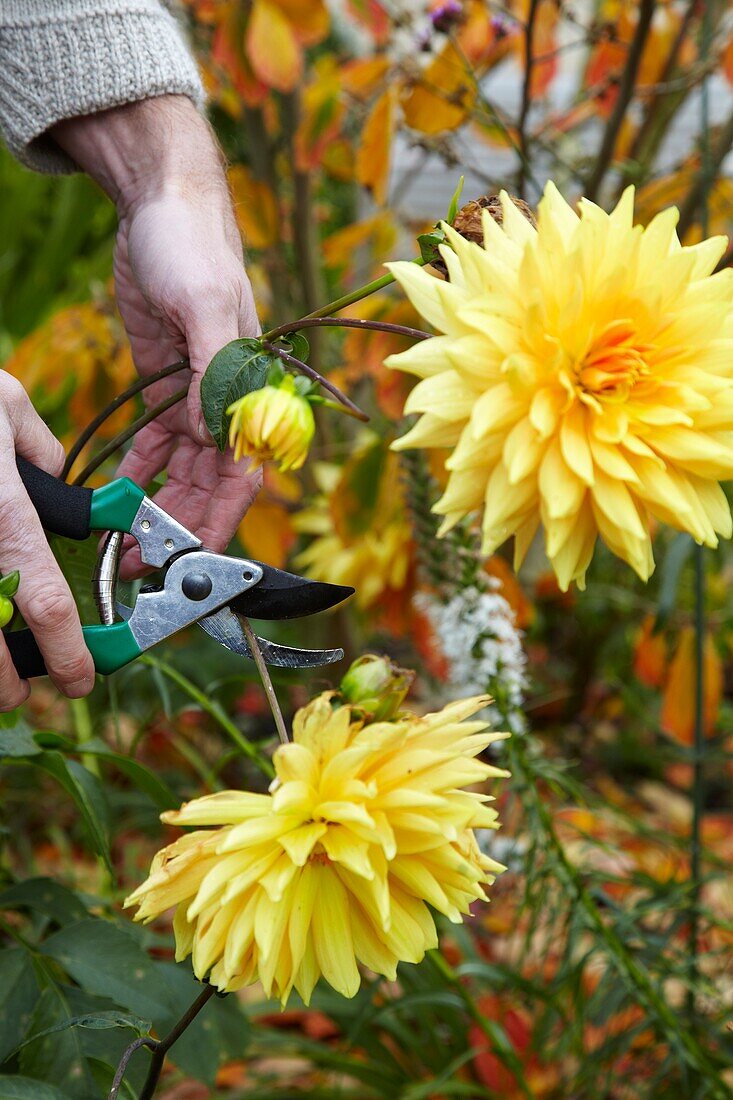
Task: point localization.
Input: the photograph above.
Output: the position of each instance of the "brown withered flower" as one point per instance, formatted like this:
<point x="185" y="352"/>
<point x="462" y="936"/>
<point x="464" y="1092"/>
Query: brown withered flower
<point x="467" y="221"/>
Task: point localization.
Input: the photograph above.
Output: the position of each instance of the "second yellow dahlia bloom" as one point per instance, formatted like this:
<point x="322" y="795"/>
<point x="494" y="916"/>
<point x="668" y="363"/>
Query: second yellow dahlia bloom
<point x="275" y="422"/>
<point x="583" y="380"/>
<point x="365" y="827"/>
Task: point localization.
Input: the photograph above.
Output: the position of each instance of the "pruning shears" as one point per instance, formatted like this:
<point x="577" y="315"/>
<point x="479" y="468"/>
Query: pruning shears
<point x="197" y="585"/>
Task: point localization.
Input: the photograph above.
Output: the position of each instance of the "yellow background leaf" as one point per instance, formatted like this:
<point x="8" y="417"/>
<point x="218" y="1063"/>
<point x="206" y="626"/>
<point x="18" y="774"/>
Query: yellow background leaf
<point x="373" y="157"/>
<point x="255" y="207"/>
<point x="272" y="47"/>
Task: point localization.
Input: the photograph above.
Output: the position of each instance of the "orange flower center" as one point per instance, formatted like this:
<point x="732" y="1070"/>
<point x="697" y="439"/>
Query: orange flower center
<point x="614" y="362"/>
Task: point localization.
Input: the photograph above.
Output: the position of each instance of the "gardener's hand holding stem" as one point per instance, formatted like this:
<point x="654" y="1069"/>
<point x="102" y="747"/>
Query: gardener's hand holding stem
<point x="181" y="289"/>
<point x="43" y="597"/>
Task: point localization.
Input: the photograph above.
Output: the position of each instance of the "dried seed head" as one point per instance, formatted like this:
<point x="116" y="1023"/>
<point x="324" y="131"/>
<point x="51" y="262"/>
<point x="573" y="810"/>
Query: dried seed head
<point x="467" y="221"/>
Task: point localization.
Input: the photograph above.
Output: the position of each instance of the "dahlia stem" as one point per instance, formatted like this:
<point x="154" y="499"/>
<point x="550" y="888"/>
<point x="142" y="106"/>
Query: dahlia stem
<point x="347" y="322"/>
<point x="267" y="684"/>
<point x="311" y="372"/>
<point x="708" y="170"/>
<point x="529" y="60"/>
<point x="159" y="1048"/>
<point x="122" y="438"/>
<point x="339" y="303"/>
<point x="137" y="386"/>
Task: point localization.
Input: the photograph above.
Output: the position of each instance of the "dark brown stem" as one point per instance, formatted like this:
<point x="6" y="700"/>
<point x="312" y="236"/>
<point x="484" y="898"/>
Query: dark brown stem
<point x="704" y="178"/>
<point x="304" y="225"/>
<point x="129" y="432"/>
<point x="137" y="387"/>
<point x="347" y="322"/>
<point x="526" y="96"/>
<point x="158" y="1059"/>
<point x="625" y="92"/>
<point x="311" y="372"/>
<point x="127" y="1054"/>
<point x="260" y="153"/>
<point x="670" y="65"/>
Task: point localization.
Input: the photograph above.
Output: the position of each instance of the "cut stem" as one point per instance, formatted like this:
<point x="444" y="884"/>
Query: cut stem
<point x="267" y="684"/>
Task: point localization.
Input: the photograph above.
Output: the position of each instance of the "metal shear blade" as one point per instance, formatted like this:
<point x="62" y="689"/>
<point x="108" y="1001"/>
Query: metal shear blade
<point x="226" y="629"/>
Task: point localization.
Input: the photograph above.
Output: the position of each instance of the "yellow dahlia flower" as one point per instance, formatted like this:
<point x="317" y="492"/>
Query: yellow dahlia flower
<point x="275" y="422"/>
<point x="376" y="559"/>
<point x="583" y="381"/>
<point x="364" y="828"/>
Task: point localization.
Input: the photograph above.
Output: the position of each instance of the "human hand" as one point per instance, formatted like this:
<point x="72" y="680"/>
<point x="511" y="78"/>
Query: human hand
<point x="182" y="291"/>
<point x="44" y="597"/>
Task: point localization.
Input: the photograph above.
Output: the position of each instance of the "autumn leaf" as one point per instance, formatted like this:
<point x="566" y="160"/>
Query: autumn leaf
<point x="256" y="208"/>
<point x="678" y="702"/>
<point x="442" y="97"/>
<point x="266" y="532"/>
<point x="362" y="77"/>
<point x="650" y="655"/>
<point x="309" y="19"/>
<point x="228" y="58"/>
<point x="322" y="112"/>
<point x="272" y="47"/>
<point x="373" y="156"/>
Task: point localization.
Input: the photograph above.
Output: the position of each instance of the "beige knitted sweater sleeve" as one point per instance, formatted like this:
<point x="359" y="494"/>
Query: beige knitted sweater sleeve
<point x="63" y="58"/>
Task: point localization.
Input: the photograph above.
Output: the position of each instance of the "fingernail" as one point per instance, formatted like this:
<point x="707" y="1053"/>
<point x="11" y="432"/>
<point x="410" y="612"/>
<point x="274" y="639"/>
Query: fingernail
<point x="79" y="688"/>
<point x="202" y="432"/>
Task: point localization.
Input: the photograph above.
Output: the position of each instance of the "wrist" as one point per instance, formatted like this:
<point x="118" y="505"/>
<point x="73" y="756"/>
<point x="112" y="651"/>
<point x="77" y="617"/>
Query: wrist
<point x="142" y="151"/>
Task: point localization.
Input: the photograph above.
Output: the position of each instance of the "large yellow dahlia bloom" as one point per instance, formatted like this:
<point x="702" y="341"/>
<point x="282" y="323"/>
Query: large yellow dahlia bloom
<point x="584" y="380"/>
<point x="365" y="826"/>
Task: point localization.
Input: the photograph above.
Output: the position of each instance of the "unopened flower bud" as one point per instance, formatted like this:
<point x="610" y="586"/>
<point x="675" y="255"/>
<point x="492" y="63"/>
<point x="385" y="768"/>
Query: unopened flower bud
<point x="446" y="16"/>
<point x="376" y="686"/>
<point x="274" y="423"/>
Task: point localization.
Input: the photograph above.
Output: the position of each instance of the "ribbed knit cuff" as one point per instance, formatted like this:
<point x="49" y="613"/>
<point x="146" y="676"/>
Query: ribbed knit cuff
<point x="64" y="58"/>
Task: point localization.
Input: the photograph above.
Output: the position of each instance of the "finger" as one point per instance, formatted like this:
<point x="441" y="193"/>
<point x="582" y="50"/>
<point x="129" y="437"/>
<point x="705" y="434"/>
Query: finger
<point x="31" y="437"/>
<point x="13" y="690"/>
<point x="236" y="488"/>
<point x="44" y="598"/>
<point x="151" y="448"/>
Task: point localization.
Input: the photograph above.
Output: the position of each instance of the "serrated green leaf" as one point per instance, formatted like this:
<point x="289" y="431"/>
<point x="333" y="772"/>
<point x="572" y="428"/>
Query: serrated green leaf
<point x="28" y="1088"/>
<point x="87" y="793"/>
<point x="105" y="960"/>
<point x="18" y="741"/>
<point x="95" y="1021"/>
<point x="144" y="779"/>
<point x="19" y="993"/>
<point x="43" y="895"/>
<point x="238" y="368"/>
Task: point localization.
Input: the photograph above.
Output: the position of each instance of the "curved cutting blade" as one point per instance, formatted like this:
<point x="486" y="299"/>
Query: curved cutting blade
<point x="226" y="629"/>
<point x="282" y="595"/>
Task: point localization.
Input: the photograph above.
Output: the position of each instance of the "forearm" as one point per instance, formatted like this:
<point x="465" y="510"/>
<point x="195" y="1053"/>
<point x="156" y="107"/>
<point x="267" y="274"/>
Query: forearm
<point x="145" y="151"/>
<point x="60" y="59"/>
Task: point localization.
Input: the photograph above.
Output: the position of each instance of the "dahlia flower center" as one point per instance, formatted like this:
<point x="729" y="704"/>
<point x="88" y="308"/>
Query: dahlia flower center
<point x="614" y="362"/>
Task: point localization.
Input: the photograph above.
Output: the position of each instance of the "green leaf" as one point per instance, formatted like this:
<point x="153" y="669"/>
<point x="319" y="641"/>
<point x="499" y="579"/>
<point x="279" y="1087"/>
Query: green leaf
<point x="9" y="584"/>
<point x="428" y="243"/>
<point x="43" y="895"/>
<point x="106" y="960"/>
<point x="453" y="208"/>
<point x="59" y="1059"/>
<point x="28" y="1088"/>
<point x="77" y="561"/>
<point x="670" y="572"/>
<point x="18" y="740"/>
<point x="96" y="1021"/>
<point x="18" y="996"/>
<point x="88" y="795"/>
<point x="238" y="368"/>
<point x="145" y="780"/>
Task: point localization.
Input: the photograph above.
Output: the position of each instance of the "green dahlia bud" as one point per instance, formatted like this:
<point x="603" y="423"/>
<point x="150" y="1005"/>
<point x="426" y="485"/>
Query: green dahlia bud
<point x="376" y="686"/>
<point x="8" y="588"/>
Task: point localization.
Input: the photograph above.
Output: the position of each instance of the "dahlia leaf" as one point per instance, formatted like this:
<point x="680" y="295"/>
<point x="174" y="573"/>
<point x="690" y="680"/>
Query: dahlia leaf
<point x="239" y="368"/>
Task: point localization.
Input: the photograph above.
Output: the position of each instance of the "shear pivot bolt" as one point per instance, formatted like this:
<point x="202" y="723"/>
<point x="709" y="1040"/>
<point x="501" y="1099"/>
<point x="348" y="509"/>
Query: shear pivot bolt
<point x="196" y="586"/>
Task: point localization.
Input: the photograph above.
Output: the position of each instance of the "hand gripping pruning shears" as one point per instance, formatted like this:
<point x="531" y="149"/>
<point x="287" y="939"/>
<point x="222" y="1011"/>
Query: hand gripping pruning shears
<point x="197" y="585"/>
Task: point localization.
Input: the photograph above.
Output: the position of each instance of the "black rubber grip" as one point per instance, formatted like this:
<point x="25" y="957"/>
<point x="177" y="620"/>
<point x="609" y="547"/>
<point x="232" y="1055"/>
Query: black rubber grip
<point x="25" y="654"/>
<point x="63" y="509"/>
